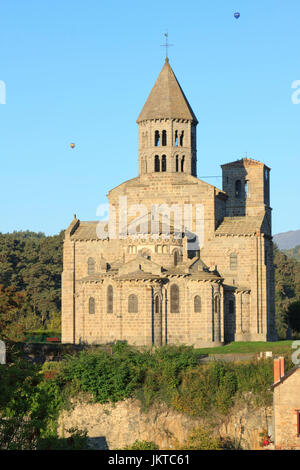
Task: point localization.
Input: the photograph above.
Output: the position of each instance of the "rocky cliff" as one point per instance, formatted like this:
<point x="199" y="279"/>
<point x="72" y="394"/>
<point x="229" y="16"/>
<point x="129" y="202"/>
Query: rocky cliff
<point x="115" y="426"/>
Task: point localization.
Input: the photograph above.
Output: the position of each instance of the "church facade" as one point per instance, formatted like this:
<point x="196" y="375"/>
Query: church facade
<point x="179" y="261"/>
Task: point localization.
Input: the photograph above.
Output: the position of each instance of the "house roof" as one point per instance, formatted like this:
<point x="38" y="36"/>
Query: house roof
<point x="166" y="99"/>
<point x="285" y="376"/>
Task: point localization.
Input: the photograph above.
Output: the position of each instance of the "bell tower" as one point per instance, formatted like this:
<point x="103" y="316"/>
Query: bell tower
<point x="167" y="129"/>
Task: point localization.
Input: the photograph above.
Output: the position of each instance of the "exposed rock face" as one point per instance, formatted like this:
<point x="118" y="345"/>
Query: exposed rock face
<point x="115" y="426"/>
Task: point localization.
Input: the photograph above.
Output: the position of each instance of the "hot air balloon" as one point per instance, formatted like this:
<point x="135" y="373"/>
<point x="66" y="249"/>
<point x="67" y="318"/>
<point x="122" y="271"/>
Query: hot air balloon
<point x="237" y="15"/>
<point x="72" y="145"/>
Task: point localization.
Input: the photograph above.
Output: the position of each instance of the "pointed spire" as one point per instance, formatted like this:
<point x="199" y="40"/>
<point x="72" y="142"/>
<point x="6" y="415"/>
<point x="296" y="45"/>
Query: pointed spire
<point x="167" y="100"/>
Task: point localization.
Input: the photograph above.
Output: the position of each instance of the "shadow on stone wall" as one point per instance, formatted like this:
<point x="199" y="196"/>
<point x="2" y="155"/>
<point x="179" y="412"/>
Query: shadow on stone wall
<point x="98" y="443"/>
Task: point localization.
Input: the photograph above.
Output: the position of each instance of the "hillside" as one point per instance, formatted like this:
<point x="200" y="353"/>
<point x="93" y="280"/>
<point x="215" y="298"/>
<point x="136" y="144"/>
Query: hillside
<point x="287" y="240"/>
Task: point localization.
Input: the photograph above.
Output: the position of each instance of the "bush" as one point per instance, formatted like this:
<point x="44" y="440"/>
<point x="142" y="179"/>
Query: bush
<point x="127" y="372"/>
<point x="201" y="439"/>
<point x="76" y="441"/>
<point x="18" y="434"/>
<point x="213" y="388"/>
<point x="107" y="377"/>
<point x="142" y="445"/>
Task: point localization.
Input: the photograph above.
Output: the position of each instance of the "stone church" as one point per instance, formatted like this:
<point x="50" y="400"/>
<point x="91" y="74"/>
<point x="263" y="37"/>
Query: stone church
<point x="203" y="285"/>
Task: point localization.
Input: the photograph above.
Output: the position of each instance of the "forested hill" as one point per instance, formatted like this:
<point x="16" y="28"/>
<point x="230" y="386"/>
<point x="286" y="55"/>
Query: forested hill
<point x="30" y="285"/>
<point x="293" y="252"/>
<point x="287" y="292"/>
<point x="287" y="240"/>
<point x="30" y="282"/>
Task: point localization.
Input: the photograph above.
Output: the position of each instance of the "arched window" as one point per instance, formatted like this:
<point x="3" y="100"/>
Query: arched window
<point x="91" y="266"/>
<point x="110" y="299"/>
<point x="157" y="139"/>
<point x="182" y="164"/>
<point x="164" y="163"/>
<point x="267" y="187"/>
<point x="157" y="164"/>
<point x="217" y="304"/>
<point x="157" y="304"/>
<point x="132" y="304"/>
<point x="177" y="163"/>
<point x="238" y="189"/>
<point x="175" y="254"/>
<point x="176" y="138"/>
<point x="197" y="304"/>
<point x="233" y="261"/>
<point x="247" y="188"/>
<point x="164" y="138"/>
<point x="266" y="174"/>
<point x="181" y="138"/>
<point x="194" y="166"/>
<point x="174" y="293"/>
<point x="91" y="305"/>
<point x="231" y="306"/>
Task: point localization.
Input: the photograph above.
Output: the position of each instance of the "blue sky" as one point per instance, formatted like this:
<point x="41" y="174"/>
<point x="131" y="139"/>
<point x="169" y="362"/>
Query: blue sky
<point x="80" y="71"/>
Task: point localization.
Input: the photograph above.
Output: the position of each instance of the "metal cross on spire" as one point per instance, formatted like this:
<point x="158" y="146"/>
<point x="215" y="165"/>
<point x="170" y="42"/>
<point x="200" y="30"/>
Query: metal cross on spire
<point x="166" y="45"/>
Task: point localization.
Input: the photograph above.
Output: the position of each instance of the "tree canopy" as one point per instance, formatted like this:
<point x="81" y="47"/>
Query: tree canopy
<point x="30" y="282"/>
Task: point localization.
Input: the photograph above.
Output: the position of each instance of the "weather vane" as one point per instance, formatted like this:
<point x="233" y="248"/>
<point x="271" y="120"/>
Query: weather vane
<point x="166" y="45"/>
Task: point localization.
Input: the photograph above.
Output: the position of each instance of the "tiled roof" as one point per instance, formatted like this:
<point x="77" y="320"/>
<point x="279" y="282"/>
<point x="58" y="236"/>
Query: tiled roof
<point x="244" y="162"/>
<point x="286" y="376"/>
<point x="167" y="100"/>
<point x="240" y="225"/>
<point x="86" y="231"/>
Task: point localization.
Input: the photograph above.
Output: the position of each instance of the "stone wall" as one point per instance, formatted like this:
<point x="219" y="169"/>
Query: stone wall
<point x="115" y="426"/>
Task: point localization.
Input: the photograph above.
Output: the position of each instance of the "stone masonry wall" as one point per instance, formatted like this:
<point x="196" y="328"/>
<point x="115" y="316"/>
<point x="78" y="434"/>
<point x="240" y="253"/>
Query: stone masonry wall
<point x="119" y="425"/>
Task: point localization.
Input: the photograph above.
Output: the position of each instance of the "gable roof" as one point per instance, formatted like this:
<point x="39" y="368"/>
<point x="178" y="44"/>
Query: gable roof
<point x="284" y="377"/>
<point x="166" y="99"/>
<point x="140" y="264"/>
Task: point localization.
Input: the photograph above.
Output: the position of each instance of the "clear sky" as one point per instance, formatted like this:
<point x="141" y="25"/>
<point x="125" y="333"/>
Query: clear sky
<point x="80" y="71"/>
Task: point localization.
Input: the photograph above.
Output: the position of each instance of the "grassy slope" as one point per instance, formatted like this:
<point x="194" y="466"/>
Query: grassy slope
<point x="277" y="347"/>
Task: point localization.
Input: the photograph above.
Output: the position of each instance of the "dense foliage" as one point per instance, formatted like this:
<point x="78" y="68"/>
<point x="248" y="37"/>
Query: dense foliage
<point x="33" y="395"/>
<point x="30" y="402"/>
<point x="293" y="252"/>
<point x="170" y="374"/>
<point x="287" y="294"/>
<point x="30" y="282"/>
<point x="203" y="438"/>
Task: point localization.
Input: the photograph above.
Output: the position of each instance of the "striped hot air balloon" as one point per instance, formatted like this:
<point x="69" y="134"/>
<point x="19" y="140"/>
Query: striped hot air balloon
<point x="237" y="15"/>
